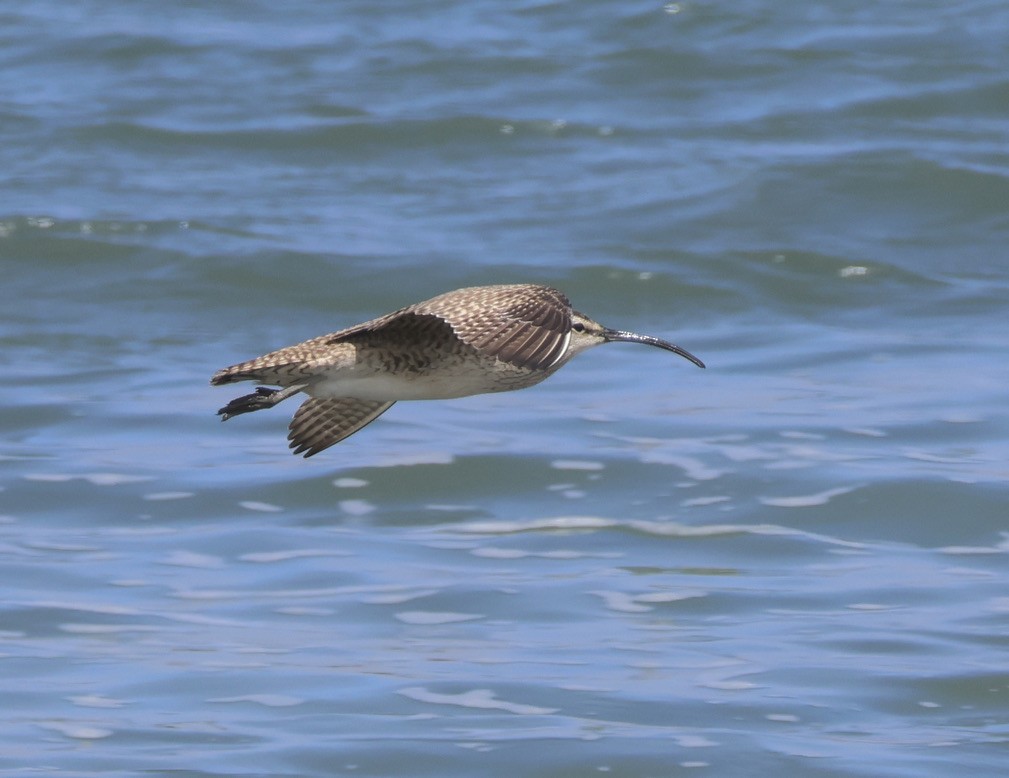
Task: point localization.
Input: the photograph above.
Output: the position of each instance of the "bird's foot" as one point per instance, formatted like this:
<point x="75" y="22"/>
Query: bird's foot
<point x="263" y="397"/>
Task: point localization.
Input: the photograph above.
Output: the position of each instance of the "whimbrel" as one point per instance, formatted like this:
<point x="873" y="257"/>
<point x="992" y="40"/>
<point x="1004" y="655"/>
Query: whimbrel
<point x="470" y="341"/>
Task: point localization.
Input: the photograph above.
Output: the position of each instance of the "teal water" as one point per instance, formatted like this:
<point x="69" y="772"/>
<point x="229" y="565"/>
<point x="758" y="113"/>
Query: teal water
<point x="792" y="562"/>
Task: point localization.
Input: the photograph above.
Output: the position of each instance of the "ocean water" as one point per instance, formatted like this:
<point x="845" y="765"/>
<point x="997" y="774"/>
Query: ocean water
<point x="793" y="562"/>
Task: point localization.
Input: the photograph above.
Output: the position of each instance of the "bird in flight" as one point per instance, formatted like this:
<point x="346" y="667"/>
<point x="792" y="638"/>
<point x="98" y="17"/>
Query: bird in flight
<point x="470" y="341"/>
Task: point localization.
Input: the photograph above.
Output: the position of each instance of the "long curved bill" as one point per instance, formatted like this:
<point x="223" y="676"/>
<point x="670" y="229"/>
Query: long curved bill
<point x="631" y="337"/>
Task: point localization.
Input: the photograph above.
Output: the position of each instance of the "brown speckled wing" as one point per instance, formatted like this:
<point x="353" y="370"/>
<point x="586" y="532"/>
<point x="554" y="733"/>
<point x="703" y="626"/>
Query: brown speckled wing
<point x="321" y="422"/>
<point x="525" y="325"/>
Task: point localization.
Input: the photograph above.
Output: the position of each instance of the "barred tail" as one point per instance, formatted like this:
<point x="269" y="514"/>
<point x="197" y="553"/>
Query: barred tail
<point x="233" y="374"/>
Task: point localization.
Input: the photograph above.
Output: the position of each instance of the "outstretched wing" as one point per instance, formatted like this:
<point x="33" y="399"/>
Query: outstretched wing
<point x="525" y="325"/>
<point x="321" y="422"/>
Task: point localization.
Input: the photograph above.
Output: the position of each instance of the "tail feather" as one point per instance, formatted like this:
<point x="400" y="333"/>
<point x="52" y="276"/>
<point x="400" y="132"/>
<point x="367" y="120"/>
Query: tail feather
<point x="230" y="375"/>
<point x="283" y="373"/>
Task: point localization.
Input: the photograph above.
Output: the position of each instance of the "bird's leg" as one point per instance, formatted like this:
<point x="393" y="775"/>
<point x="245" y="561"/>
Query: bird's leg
<point x="263" y="397"/>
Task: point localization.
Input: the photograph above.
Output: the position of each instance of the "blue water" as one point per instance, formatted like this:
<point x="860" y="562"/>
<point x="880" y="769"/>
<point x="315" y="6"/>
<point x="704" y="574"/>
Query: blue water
<point x="793" y="562"/>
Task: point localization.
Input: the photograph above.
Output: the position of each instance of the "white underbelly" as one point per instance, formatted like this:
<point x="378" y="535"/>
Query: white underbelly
<point x="406" y="386"/>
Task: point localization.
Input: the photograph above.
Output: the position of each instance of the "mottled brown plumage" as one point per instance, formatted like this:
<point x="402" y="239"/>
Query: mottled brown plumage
<point x="470" y="341"/>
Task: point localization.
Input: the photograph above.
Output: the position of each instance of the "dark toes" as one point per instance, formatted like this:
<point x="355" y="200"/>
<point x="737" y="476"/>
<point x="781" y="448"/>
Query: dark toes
<point x="257" y="401"/>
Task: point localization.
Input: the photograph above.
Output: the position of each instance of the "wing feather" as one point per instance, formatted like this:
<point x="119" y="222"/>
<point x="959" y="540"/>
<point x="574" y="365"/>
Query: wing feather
<point x="525" y="325"/>
<point x="321" y="422"/>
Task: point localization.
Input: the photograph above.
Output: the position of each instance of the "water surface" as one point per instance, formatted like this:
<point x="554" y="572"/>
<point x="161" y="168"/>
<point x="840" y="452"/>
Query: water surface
<point x="793" y="561"/>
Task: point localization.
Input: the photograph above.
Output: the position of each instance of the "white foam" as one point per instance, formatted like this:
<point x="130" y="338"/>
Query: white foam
<point x="159" y="496"/>
<point x="95" y="701"/>
<point x="483" y="699"/>
<point x="78" y="731"/>
<point x="193" y="559"/>
<point x="262" y="507"/>
<point x="435" y="617"/>
<point x="349" y="483"/>
<point x="396" y="598"/>
<point x="576" y="464"/>
<point x="284" y="556"/>
<point x="356" y="507"/>
<point x="269" y="700"/>
<point x="807" y="500"/>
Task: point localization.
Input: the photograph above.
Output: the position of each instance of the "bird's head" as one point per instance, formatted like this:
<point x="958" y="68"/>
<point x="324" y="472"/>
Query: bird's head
<point x="586" y="333"/>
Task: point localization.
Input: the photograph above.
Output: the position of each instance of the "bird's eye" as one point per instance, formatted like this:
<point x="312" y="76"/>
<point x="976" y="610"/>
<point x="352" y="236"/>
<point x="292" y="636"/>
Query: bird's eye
<point x="578" y="327"/>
